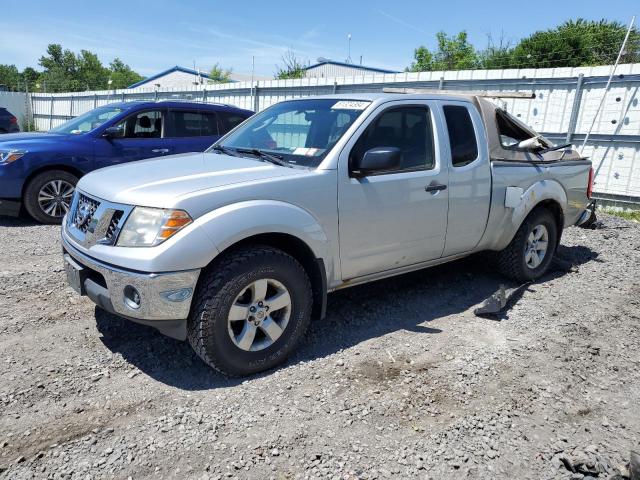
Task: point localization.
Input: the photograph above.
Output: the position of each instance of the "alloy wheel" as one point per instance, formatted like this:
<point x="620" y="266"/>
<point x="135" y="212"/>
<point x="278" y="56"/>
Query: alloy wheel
<point x="536" y="248"/>
<point x="259" y="315"/>
<point x="54" y="198"/>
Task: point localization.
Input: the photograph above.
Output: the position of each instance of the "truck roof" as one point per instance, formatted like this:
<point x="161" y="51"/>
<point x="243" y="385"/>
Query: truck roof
<point x="382" y="96"/>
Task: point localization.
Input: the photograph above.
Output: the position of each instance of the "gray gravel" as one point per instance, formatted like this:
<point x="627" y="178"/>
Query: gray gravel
<point x="400" y="381"/>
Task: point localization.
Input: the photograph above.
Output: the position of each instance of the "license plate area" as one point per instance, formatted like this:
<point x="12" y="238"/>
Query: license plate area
<point x="76" y="274"/>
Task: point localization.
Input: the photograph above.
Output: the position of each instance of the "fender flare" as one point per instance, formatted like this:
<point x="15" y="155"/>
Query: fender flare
<point x="232" y="223"/>
<point x="519" y="203"/>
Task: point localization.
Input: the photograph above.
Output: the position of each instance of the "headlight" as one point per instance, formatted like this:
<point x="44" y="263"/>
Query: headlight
<point x="148" y="227"/>
<point x="8" y="156"/>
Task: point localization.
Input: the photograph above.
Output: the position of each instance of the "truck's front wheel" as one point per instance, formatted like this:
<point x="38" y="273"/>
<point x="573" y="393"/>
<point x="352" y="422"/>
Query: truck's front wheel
<point x="250" y="310"/>
<point x="531" y="251"/>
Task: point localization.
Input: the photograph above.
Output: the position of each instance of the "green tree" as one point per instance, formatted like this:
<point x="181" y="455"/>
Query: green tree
<point x="64" y="71"/>
<point x="575" y="44"/>
<point x="90" y="72"/>
<point x="453" y="53"/>
<point x="9" y="77"/>
<point x="423" y="60"/>
<point x="496" y="55"/>
<point x="219" y="74"/>
<point x="121" y="74"/>
<point x="292" y="67"/>
<point x="29" y="76"/>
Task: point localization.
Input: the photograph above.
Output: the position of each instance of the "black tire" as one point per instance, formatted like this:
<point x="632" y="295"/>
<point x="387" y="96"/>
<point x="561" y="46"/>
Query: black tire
<point x="218" y="288"/>
<point x="31" y="193"/>
<point x="512" y="260"/>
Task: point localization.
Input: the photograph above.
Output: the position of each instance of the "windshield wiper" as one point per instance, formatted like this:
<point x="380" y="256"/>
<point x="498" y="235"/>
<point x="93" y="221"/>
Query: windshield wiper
<point x="269" y="157"/>
<point x="225" y="150"/>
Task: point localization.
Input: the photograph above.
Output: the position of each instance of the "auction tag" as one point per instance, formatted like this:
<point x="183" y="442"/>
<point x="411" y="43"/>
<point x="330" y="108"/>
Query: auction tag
<point x="308" y="152"/>
<point x="350" y="105"/>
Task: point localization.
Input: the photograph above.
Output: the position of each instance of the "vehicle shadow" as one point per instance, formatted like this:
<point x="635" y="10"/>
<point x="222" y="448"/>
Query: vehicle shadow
<point x="354" y="315"/>
<point x="21" y="221"/>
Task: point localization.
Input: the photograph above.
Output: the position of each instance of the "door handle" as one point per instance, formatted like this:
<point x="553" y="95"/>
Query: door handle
<point x="160" y="150"/>
<point x="435" y="187"/>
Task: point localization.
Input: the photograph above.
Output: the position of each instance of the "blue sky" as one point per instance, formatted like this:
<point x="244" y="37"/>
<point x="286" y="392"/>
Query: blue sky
<point x="155" y="35"/>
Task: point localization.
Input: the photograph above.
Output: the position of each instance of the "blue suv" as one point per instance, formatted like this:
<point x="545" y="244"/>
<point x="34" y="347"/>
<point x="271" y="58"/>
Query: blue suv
<point x="39" y="171"/>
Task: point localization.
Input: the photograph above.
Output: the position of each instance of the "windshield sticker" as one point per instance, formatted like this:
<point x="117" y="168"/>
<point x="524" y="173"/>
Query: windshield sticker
<point x="308" y="152"/>
<point x="350" y="105"/>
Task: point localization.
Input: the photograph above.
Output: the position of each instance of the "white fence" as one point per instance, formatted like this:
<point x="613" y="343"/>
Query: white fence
<point x="565" y="104"/>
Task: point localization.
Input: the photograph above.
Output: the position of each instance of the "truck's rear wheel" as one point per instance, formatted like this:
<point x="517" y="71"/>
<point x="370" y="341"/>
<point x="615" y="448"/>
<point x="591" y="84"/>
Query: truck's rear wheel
<point x="48" y="195"/>
<point x="531" y="251"/>
<point x="250" y="310"/>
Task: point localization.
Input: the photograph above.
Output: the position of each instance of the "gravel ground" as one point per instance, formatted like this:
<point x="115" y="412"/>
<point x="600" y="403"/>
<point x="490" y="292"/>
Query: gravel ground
<point x="401" y="380"/>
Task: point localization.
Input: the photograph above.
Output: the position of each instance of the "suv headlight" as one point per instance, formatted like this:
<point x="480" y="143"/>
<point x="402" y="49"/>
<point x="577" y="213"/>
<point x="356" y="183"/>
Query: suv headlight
<point x="8" y="156"/>
<point x="148" y="227"/>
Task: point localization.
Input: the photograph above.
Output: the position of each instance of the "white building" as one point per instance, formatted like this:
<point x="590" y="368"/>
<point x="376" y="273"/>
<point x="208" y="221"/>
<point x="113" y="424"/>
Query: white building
<point x="186" y="78"/>
<point x="326" y="68"/>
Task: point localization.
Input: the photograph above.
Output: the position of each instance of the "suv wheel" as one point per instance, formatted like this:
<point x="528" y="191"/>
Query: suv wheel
<point x="531" y="251"/>
<point x="250" y="310"/>
<point x="48" y="195"/>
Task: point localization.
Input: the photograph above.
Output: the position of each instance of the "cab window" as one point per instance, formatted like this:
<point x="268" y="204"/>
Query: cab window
<point x="407" y="128"/>
<point x="230" y="120"/>
<point x="184" y="123"/>
<point x="146" y="124"/>
<point x="462" y="135"/>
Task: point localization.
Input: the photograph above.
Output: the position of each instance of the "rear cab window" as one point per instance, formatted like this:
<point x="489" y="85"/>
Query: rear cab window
<point x="462" y="135"/>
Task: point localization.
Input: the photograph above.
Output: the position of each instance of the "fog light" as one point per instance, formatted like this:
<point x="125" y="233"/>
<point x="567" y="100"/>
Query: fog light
<point x="131" y="297"/>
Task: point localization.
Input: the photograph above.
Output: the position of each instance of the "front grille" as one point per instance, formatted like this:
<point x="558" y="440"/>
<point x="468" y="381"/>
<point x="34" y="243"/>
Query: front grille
<point x="83" y="214"/>
<point x="113" y="225"/>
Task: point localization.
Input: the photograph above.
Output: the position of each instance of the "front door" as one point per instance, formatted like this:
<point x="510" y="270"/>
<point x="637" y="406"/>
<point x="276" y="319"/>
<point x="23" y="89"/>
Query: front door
<point x="142" y="137"/>
<point x="392" y="219"/>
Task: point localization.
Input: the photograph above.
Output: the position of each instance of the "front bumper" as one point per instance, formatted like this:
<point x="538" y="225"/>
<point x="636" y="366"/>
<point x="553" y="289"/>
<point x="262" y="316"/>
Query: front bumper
<point x="164" y="298"/>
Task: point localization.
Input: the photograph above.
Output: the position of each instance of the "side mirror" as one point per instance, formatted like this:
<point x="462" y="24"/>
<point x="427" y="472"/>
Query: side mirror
<point x="112" y="132"/>
<point x="530" y="144"/>
<point x="377" y="159"/>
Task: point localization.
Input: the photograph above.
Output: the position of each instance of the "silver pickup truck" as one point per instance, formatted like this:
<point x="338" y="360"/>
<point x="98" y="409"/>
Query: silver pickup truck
<point x="237" y="248"/>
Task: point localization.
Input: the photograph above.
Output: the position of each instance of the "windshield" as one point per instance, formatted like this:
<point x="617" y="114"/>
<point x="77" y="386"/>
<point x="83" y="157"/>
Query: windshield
<point x="299" y="132"/>
<point x="88" y="121"/>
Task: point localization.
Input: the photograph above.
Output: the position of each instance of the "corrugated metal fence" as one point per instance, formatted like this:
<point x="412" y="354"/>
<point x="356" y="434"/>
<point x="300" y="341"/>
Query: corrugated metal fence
<point x="566" y="101"/>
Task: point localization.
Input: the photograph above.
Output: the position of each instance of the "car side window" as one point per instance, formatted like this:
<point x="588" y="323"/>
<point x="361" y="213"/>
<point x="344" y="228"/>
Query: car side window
<point x="407" y="128"/>
<point x="462" y="135"/>
<point x="186" y="123"/>
<point x="229" y="121"/>
<point x="146" y="124"/>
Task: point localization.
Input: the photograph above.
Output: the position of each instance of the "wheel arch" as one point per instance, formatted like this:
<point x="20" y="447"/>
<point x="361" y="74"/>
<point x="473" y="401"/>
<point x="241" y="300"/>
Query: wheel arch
<point x="548" y="194"/>
<point x="280" y="225"/>
<point x="45" y="168"/>
<point x="298" y="249"/>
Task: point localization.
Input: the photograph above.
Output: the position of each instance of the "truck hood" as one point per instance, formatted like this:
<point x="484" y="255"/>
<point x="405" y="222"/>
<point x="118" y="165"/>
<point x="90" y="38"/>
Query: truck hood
<point x="163" y="182"/>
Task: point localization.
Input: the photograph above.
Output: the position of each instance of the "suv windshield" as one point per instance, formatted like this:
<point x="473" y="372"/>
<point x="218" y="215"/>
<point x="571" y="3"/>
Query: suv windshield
<point x="88" y="121"/>
<point x="299" y="132"/>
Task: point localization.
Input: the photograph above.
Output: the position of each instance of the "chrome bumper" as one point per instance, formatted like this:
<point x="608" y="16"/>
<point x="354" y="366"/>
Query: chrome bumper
<point x="163" y="297"/>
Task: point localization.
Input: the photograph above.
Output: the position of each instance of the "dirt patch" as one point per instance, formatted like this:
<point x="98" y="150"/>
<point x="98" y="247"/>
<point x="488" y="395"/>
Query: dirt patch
<point x="401" y="380"/>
